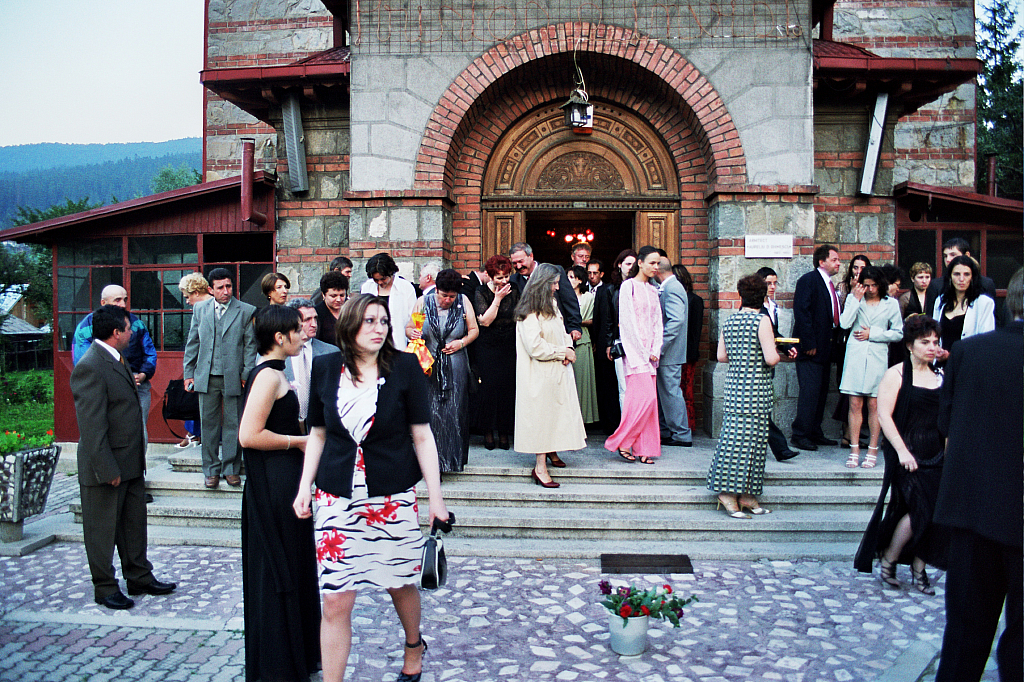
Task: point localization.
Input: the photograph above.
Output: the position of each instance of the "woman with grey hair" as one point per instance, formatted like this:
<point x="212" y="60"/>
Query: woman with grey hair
<point x="547" y="409"/>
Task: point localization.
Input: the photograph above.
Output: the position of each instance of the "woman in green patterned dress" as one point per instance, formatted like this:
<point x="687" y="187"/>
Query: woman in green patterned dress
<point x="747" y="343"/>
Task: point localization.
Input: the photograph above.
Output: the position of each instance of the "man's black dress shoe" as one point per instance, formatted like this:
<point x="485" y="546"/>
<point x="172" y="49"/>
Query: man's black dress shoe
<point x="116" y="601"/>
<point x="675" y="443"/>
<point x="788" y="454"/>
<point x="821" y="440"/>
<point x="155" y="588"/>
<point x="149" y="498"/>
<point x="803" y="444"/>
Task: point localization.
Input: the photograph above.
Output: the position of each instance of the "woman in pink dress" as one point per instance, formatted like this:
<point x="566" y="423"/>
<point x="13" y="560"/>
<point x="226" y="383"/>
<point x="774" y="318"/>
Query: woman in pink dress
<point x="640" y="330"/>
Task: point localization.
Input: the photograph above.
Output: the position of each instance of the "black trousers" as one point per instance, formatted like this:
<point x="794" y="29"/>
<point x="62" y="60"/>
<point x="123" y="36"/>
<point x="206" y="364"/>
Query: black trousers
<point x="810" y="405"/>
<point x="982" y="575"/>
<point x="776" y="439"/>
<point x="116" y="517"/>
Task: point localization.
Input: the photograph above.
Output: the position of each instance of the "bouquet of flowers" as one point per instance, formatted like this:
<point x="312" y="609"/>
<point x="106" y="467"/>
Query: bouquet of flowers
<point x="418" y="348"/>
<point x="658" y="602"/>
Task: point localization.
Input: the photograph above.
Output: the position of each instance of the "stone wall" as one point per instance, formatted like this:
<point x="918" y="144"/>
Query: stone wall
<point x="935" y="145"/>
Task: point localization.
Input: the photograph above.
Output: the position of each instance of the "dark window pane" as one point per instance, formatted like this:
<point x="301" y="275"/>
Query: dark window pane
<point x="152" y="322"/>
<point x="146" y="291"/>
<point x="915" y="246"/>
<point x="252" y="247"/>
<point x="249" y="277"/>
<point x="1005" y="256"/>
<point x="163" y="250"/>
<point x="176" y="330"/>
<point x="173" y="298"/>
<point x="73" y="289"/>
<point x="66" y="324"/>
<point x="101" y="277"/>
<point x="90" y="252"/>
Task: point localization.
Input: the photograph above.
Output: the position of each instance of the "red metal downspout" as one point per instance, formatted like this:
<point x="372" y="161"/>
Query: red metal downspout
<point x="249" y="214"/>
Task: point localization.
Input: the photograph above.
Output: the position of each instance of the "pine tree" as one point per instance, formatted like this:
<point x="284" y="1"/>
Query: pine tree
<point x="1000" y="98"/>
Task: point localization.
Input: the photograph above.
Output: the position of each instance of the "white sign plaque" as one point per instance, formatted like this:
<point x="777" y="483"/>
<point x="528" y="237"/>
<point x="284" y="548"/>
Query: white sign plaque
<point x="768" y="246"/>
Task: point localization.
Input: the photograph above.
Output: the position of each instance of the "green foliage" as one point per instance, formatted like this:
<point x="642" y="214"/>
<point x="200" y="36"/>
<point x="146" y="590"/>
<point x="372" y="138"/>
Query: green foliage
<point x="12" y="441"/>
<point x="26" y="215"/>
<point x="658" y="602"/>
<point x="1000" y="98"/>
<point x="170" y="178"/>
<point x="31" y="411"/>
<point x="29" y="265"/>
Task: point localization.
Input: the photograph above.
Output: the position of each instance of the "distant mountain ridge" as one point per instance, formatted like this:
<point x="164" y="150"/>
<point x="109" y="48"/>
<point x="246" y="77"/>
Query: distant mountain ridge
<point x="29" y="157"/>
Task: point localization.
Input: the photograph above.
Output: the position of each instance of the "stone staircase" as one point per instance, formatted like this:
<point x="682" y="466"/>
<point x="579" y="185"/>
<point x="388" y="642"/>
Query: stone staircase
<point x="605" y="505"/>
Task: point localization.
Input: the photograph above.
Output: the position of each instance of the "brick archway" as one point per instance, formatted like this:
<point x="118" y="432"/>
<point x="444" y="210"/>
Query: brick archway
<point x="700" y="105"/>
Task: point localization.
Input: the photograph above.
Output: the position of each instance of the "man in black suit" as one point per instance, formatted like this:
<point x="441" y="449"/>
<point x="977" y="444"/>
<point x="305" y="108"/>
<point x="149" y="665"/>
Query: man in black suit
<point x="776" y="438"/>
<point x="980" y="497"/>
<point x="815" y="321"/>
<point x="950" y="250"/>
<point x="111" y="461"/>
<point x="521" y="255"/>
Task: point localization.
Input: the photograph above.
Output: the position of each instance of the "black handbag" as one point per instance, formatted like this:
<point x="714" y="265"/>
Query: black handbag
<point x="434" y="564"/>
<point x="616" y="350"/>
<point x="179" y="403"/>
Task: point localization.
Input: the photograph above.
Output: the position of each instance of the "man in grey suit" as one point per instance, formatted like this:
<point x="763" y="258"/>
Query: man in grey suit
<point x="111" y="461"/>
<point x="298" y="369"/>
<point x="219" y="354"/>
<point x="675" y="426"/>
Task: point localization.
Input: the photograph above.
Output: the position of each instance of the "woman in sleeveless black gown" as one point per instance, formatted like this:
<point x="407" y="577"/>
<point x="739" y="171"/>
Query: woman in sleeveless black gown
<point x="279" y="571"/>
<point x="902" y="532"/>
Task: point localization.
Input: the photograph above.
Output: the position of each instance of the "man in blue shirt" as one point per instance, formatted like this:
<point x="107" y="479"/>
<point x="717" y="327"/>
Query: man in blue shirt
<point x="141" y="353"/>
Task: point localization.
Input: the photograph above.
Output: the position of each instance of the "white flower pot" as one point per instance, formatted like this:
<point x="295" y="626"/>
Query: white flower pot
<point x="629" y="639"/>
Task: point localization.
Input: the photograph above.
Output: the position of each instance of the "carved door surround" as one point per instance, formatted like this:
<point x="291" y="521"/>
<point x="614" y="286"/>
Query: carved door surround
<point x="539" y="163"/>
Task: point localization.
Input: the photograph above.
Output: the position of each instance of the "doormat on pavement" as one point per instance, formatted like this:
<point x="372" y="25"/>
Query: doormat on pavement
<point x="646" y="563"/>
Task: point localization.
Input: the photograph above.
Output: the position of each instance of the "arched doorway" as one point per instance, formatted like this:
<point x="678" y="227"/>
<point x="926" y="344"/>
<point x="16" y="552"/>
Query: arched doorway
<point x="545" y="182"/>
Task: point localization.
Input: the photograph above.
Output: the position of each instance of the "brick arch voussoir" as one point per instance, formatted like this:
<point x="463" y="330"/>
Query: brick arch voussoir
<point x="705" y="112"/>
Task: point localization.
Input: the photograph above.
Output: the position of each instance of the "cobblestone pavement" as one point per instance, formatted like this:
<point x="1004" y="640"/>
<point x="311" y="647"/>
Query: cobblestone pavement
<point x="496" y="620"/>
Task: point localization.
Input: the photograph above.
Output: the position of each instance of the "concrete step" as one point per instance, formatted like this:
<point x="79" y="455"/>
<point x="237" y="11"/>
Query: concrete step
<point x="63" y="528"/>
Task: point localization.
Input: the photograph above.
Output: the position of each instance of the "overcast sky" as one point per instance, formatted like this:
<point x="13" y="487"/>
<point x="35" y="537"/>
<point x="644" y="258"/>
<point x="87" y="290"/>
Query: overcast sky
<point x="100" y="71"/>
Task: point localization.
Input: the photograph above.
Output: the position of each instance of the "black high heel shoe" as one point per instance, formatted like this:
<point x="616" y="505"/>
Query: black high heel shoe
<point x="489" y="441"/>
<point x="921" y="582"/>
<point x="503" y="442"/>
<point x="887" y="573"/>
<point x="406" y="677"/>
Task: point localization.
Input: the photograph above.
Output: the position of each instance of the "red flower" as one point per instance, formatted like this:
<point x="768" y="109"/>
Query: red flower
<point x="50" y="432"/>
<point x="668" y="588"/>
<point x="644" y="610"/>
<point x="375" y="517"/>
<point x="626" y="611"/>
<point x="330" y="546"/>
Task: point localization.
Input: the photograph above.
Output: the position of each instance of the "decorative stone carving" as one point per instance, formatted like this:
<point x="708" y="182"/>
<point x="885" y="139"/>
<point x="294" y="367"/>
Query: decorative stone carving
<point x="580" y="172"/>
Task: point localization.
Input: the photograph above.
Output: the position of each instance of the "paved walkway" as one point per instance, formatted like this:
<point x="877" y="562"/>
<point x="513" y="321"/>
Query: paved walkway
<point x="496" y="620"/>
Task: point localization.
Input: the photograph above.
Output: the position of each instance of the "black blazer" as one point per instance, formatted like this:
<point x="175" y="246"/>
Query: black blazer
<point x="568" y="304"/>
<point x="391" y="464"/>
<point x="695" y="326"/>
<point x="982" y="488"/>
<point x="812" y="317"/>
<point x="325" y="324"/>
<point x="607" y="301"/>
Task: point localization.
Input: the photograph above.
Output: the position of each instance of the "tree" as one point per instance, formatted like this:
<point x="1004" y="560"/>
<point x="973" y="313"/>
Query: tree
<point x="999" y="98"/>
<point x="169" y="178"/>
<point x="26" y="215"/>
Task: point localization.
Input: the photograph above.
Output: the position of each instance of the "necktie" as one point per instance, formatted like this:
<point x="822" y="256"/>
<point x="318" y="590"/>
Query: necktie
<point x="302" y="384"/>
<point x="835" y="304"/>
<point x="220" y="311"/>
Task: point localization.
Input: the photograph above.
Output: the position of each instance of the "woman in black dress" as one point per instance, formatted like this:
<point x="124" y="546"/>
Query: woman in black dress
<point x="495" y="349"/>
<point x="279" y="573"/>
<point x="908" y="408"/>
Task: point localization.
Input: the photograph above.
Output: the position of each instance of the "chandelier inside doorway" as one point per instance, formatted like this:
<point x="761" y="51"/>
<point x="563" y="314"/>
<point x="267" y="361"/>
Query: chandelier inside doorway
<point x="584" y="237"/>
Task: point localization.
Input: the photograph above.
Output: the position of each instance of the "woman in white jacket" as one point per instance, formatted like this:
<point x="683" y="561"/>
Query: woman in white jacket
<point x="397" y="291"/>
<point x="962" y="310"/>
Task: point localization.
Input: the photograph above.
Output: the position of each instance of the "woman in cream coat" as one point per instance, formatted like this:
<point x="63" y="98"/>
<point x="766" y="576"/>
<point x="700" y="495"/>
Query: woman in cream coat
<point x="547" y="408"/>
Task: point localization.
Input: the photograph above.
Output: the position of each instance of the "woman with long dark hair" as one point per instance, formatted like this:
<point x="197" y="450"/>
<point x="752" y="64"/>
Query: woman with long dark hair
<point x="282" y="604"/>
<point x="873" y="320"/>
<point x="547" y="408"/>
<point x="842" y="411"/>
<point x="962" y="310"/>
<point x="495" y="304"/>
<point x="608" y="303"/>
<point x="908" y="409"/>
<point x="369" y="445"/>
<point x="640" y="327"/>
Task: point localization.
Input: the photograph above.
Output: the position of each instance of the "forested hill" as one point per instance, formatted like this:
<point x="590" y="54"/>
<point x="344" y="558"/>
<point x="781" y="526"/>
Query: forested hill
<point x="103" y="173"/>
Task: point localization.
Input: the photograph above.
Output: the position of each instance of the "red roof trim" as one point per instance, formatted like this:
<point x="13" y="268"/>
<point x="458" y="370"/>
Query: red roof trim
<point x="959" y="196"/>
<point x="311" y="67"/>
<point x="124" y="207"/>
<point x="836" y="56"/>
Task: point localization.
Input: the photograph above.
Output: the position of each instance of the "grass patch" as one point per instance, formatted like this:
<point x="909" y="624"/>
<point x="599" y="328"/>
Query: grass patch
<point x="26" y="402"/>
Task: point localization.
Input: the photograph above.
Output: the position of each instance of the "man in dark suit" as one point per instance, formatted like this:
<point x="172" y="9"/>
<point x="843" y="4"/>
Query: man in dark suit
<point x="334" y="287"/>
<point x="815" y="321"/>
<point x="980" y="497"/>
<point x="776" y="438"/>
<point x="521" y="255"/>
<point x="111" y="461"/>
<point x="950" y="250"/>
<point x="219" y="354"/>
<point x="298" y="369"/>
<point x="672" y="417"/>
